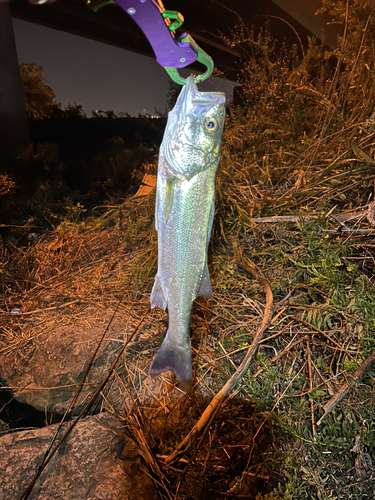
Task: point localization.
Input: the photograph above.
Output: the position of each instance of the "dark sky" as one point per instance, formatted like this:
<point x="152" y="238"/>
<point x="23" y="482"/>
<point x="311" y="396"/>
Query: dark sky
<point x="98" y="75"/>
<point x="104" y="77"/>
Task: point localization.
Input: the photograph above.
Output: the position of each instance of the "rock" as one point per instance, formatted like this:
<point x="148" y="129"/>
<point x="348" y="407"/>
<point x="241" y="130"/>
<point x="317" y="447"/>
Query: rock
<point x="45" y="371"/>
<point x="17" y="415"/>
<point x="57" y="360"/>
<point x="96" y="461"/>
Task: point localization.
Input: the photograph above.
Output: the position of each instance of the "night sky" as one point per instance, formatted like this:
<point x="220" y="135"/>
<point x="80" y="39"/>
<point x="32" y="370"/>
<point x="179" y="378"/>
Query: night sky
<point x="105" y="77"/>
<point x="98" y="75"/>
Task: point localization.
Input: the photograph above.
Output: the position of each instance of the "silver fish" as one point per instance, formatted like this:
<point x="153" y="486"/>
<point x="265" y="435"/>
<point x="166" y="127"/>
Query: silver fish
<point x="185" y="197"/>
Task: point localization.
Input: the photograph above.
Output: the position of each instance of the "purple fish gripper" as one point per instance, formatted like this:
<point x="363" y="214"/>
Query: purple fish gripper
<point x="169" y="52"/>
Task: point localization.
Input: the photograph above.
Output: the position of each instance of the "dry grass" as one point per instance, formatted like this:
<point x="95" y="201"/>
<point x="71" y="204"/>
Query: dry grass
<point x="76" y="277"/>
<point x="297" y="149"/>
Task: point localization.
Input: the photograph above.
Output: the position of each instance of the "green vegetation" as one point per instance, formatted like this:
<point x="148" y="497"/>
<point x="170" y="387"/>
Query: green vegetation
<point x="40" y="99"/>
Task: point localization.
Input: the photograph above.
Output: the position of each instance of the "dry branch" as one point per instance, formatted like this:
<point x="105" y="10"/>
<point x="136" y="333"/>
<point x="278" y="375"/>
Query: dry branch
<point x="370" y="213"/>
<point x="353" y="380"/>
<point x="345" y="217"/>
<point x="201" y="427"/>
<point x="54" y="308"/>
<point x="311" y="388"/>
<point x="284" y="218"/>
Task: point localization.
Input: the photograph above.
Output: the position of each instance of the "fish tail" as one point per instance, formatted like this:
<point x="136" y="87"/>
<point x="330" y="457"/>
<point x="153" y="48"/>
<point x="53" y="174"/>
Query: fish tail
<point x="175" y="358"/>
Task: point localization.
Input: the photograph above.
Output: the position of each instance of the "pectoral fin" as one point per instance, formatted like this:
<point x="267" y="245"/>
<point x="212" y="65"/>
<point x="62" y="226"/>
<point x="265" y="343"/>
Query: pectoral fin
<point x="206" y="287"/>
<point x="169" y="196"/>
<point x="156" y="221"/>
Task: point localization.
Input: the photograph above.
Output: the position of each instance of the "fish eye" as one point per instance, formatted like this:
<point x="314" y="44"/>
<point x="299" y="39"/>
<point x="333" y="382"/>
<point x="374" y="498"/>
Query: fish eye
<point x="211" y="125"/>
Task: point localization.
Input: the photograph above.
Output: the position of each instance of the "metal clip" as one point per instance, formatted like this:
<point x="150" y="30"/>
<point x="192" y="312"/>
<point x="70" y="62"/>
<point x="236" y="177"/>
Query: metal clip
<point x="202" y="57"/>
<point x="175" y="16"/>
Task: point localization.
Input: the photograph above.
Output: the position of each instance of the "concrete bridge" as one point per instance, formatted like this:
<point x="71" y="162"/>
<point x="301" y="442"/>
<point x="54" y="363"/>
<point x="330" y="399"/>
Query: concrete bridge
<point x="203" y="19"/>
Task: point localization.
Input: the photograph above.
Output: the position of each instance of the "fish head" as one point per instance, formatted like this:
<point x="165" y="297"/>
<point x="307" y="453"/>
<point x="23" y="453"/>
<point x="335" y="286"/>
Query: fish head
<point x="193" y="134"/>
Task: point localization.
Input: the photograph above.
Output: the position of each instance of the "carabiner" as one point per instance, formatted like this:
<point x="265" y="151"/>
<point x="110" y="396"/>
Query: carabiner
<point x="202" y="57"/>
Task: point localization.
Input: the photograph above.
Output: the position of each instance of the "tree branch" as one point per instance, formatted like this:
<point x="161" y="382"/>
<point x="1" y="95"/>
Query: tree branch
<point x="203" y="424"/>
<point x="353" y="380"/>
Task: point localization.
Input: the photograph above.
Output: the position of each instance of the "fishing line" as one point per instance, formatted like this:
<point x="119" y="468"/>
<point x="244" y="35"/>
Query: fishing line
<point x="49" y="454"/>
<point x="71" y="404"/>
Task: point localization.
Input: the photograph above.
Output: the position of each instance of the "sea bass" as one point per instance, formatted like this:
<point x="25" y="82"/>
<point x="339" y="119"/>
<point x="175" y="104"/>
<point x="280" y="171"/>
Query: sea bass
<point x="185" y="197"/>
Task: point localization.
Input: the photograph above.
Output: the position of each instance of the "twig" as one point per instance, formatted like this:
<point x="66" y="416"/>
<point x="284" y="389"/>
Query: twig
<point x="293" y="29"/>
<point x="280" y="355"/>
<point x="203" y="424"/>
<point x="26" y="226"/>
<point x="311" y="388"/>
<point x="370" y="214"/>
<point x="41" y="310"/>
<point x="358" y="232"/>
<point x="285" y="299"/>
<point x="353" y="380"/>
<point x="284" y="218"/>
<point x="345" y="217"/>
<point x="323" y="333"/>
<point x="21" y="390"/>
<point x="50" y="452"/>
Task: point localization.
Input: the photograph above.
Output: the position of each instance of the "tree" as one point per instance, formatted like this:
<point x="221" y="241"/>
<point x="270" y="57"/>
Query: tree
<point x="40" y="98"/>
<point x="75" y="110"/>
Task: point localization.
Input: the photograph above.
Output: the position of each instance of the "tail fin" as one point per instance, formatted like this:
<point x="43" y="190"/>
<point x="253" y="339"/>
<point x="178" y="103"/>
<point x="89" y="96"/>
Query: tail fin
<point x="174" y="358"/>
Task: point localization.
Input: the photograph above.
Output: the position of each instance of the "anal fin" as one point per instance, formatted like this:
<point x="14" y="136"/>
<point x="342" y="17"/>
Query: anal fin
<point x="205" y="289"/>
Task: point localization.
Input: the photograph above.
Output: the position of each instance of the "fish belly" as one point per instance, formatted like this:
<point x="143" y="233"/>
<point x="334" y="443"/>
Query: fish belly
<point x="183" y="236"/>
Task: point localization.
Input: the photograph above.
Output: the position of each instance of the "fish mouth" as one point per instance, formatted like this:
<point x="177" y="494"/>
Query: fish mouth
<point x="204" y="98"/>
<point x="191" y="100"/>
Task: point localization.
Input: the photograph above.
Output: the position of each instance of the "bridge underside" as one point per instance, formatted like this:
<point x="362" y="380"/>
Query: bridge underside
<point x="204" y="20"/>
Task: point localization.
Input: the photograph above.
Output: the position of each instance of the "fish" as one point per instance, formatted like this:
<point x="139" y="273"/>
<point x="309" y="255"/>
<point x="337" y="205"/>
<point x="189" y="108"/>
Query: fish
<point x="189" y="157"/>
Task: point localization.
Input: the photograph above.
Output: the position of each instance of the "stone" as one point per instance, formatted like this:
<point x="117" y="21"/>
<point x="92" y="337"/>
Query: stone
<point x="46" y="374"/>
<point x="97" y="461"/>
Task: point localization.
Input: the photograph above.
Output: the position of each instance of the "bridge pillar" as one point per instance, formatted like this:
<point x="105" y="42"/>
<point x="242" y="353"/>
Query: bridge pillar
<point x="14" y="128"/>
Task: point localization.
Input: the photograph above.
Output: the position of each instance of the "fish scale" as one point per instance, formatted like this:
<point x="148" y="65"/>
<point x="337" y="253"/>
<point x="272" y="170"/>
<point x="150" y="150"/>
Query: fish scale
<point x="188" y="162"/>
